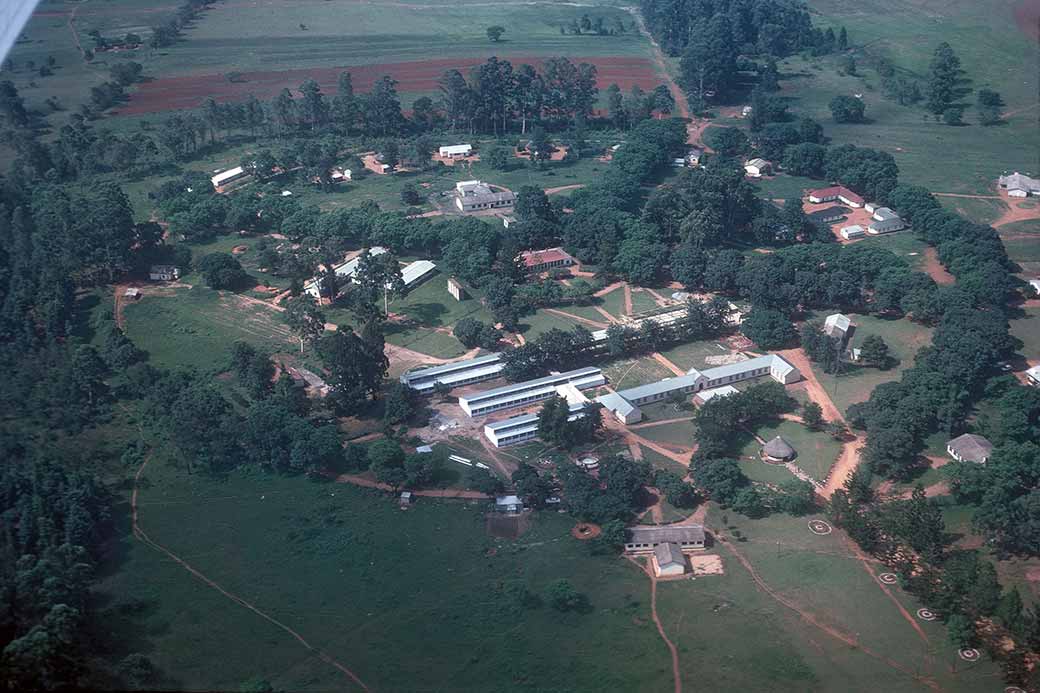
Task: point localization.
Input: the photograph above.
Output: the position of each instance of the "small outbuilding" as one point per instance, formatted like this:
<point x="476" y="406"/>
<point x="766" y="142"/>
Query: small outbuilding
<point x="756" y="168"/>
<point x="853" y="231"/>
<point x="455" y="151"/>
<point x="1034" y="284"/>
<point x="705" y="396"/>
<point x="969" y="448"/>
<point x="405" y="499"/>
<point x="132" y="293"/>
<point x="509" y="505"/>
<point x="1033" y="375"/>
<point x="839" y="326"/>
<point x="455" y="288"/>
<point x="164" y="273"/>
<point x="779" y="450"/>
<point x="668" y="560"/>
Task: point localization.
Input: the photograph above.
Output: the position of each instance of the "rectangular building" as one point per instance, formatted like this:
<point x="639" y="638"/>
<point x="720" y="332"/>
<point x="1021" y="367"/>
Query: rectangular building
<point x="455" y="151"/>
<point x="756" y="168"/>
<point x="414" y="273"/>
<point x="542" y="260"/>
<point x="454" y="374"/>
<point x="519" y="394"/>
<point x="229" y="176"/>
<point x="885" y="221"/>
<point x="836" y="192"/>
<point x="644" y="539"/>
<point x="853" y="231"/>
<point x="519" y="429"/>
<point x="475" y="195"/>
<point x="623" y="410"/>
<point x="164" y="273"/>
<point x="456" y="289"/>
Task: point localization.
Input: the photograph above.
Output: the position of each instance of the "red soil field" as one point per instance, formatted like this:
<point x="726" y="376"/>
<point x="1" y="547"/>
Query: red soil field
<point x="175" y="93"/>
<point x="1027" y="17"/>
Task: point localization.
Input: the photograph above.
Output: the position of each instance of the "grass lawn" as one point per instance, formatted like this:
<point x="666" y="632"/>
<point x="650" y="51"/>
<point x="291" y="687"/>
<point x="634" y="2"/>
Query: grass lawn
<point x="1023" y="249"/>
<point x="986" y="39"/>
<point x="783" y="186"/>
<point x="626" y="373"/>
<point x="659" y="461"/>
<point x="196" y="327"/>
<point x="757" y="470"/>
<point x="979" y="211"/>
<point x="614" y="302"/>
<point x="820" y="575"/>
<point x="325" y="559"/>
<point x="817" y="451"/>
<point x="903" y="337"/>
<point x="642" y="300"/>
<point x="905" y="244"/>
<point x="678" y="433"/>
<point x="693" y="354"/>
<point x="542" y="321"/>
<point x="1027" y="328"/>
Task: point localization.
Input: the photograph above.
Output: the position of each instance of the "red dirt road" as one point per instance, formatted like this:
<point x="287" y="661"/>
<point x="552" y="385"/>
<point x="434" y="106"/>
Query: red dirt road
<point x="173" y="93"/>
<point x="935" y="269"/>
<point x="676" y="674"/>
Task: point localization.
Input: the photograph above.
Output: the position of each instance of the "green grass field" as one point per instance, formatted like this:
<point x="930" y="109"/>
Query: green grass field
<point x="677" y="433"/>
<point x="1026" y="327"/>
<point x="693" y="354"/>
<point x="626" y="373"/>
<point x="817" y="451"/>
<point x="196" y="327"/>
<point x="821" y="576"/>
<point x="986" y="38"/>
<point x="903" y="337"/>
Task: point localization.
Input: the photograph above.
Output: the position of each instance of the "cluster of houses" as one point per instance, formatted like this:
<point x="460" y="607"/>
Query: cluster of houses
<point x="882" y="219"/>
<point x="692" y="159"/>
<point x="412" y="274"/>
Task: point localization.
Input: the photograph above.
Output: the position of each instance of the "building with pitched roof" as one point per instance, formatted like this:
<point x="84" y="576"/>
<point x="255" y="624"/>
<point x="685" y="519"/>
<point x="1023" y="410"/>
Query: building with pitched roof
<point x="519" y="394"/>
<point x="344" y="270"/>
<point x="668" y="560"/>
<point x="1033" y="375"/>
<point x="1019" y="185"/>
<point x="885" y="221"/>
<point x="476" y="195"/>
<point x="643" y="539"/>
<point x="542" y="260"/>
<point x="455" y="151"/>
<point x="454" y="374"/>
<point x="969" y="448"/>
<point x="836" y="192"/>
<point x="779" y="450"/>
<point x="414" y="273"/>
<point x="756" y="168"/>
<point x="839" y="326"/>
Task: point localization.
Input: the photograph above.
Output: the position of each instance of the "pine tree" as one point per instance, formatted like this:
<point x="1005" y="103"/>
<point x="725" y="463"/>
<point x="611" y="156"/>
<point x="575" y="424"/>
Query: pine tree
<point x="945" y="79"/>
<point x="843" y="39"/>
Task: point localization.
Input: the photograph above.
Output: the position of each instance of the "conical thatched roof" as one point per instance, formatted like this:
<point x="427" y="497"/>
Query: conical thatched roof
<point x="779" y="449"/>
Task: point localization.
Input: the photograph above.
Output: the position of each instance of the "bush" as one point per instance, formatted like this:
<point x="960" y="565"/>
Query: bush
<point x="222" y="271"/>
<point x="847" y="109"/>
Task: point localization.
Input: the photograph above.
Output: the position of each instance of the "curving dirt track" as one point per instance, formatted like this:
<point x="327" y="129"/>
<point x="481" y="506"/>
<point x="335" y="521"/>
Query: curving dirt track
<point x="676" y="674"/>
<point x="143" y="537"/>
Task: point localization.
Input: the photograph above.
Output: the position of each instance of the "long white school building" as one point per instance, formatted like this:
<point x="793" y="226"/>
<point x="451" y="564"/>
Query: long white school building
<point x="519" y="394"/>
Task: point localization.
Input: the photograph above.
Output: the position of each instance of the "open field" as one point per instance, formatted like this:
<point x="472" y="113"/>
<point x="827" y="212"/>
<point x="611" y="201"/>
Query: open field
<point x="377" y="580"/>
<point x="817" y="450"/>
<point x="821" y="577"/>
<point x="196" y="327"/>
<point x="675" y="433"/>
<point x="1027" y="328"/>
<point x="693" y="354"/>
<point x="855" y="383"/>
<point x="987" y="39"/>
<point x="280" y="44"/>
<point x="626" y="373"/>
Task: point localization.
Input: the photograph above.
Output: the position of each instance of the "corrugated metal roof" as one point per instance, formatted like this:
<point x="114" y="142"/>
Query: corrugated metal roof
<point x="416" y="270"/>
<point x="455" y="366"/>
<point x="660" y="387"/>
<point x="548" y="380"/>
<point x="675" y="533"/>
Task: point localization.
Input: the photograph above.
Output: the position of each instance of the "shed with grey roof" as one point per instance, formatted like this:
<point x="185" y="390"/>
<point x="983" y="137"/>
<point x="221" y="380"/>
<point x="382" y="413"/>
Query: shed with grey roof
<point x="519" y="394"/>
<point x="669" y="560"/>
<point x="454" y="374"/>
<point x="969" y="448"/>
<point x="779" y="450"/>
<point x="644" y="539"/>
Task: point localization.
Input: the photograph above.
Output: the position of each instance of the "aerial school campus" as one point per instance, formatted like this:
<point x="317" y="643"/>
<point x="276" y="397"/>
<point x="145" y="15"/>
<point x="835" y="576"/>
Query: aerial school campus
<point x="426" y="346"/>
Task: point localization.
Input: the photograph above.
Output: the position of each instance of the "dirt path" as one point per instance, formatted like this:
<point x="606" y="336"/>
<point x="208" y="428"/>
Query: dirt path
<point x="661" y="359"/>
<point x="846" y="464"/>
<point x="662" y="422"/>
<point x="798" y="359"/>
<point x="604" y="313"/>
<point x="72" y="28"/>
<point x="429" y="493"/>
<point x="934" y="268"/>
<point x="632" y="438"/>
<point x="608" y="288"/>
<point x="657" y="56"/>
<point x="809" y="618"/>
<point x="676" y="675"/>
<point x="628" y="299"/>
<point x="571" y="316"/>
<point x="400" y="354"/>
<point x="1012" y="211"/>
<point x="563" y="188"/>
<point x="143" y="537"/>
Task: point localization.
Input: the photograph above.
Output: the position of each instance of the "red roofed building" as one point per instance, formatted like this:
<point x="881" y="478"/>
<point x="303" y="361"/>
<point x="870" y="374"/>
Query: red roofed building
<point x="836" y="192"/>
<point x="541" y="260"/>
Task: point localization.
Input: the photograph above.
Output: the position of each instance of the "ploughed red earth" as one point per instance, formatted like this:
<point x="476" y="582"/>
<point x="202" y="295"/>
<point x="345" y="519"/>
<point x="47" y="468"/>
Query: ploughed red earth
<point x="175" y="93"/>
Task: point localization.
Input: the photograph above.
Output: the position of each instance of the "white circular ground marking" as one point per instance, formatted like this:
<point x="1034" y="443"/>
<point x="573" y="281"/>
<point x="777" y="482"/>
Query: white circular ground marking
<point x="819" y="527"/>
<point x="969" y="654"/>
<point x="1014" y="689"/>
<point x="888" y="578"/>
<point x="926" y="614"/>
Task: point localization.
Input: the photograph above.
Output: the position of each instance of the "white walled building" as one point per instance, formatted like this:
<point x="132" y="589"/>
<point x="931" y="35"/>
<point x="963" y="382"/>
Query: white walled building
<point x="519" y="394"/>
